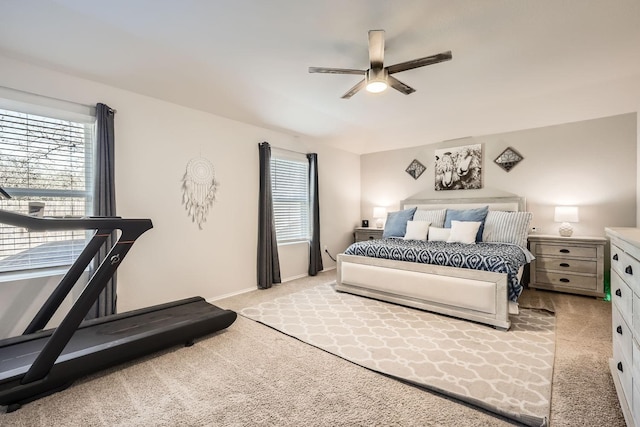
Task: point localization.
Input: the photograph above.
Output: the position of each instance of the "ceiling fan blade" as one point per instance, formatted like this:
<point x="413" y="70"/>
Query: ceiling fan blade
<point x="376" y="48"/>
<point x="336" y="70"/>
<point x="421" y="62"/>
<point x="399" y="86"/>
<point x="354" y="89"/>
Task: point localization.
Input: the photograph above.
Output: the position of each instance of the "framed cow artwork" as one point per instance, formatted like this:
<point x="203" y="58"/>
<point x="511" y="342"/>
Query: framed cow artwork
<point x="458" y="168"/>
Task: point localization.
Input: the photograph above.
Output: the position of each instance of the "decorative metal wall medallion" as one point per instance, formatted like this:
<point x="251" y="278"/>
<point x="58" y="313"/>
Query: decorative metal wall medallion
<point x="199" y="187"/>
<point x="415" y="169"/>
<point x="508" y="159"/>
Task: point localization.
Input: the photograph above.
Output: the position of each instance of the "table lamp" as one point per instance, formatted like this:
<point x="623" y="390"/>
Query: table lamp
<point x="379" y="213"/>
<point x="566" y="215"/>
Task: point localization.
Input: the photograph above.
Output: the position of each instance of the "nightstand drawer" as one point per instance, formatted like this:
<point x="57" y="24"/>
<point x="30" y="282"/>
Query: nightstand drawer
<point x="566" y="251"/>
<point x="574" y="281"/>
<point x="570" y="265"/>
<point x="363" y="234"/>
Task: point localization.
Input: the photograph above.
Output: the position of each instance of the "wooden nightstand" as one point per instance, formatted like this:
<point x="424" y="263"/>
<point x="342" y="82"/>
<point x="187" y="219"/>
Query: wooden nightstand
<point x="568" y="264"/>
<point x="364" y="233"/>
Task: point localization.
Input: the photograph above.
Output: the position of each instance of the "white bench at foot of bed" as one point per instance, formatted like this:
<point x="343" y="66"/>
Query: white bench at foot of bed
<point x="480" y="296"/>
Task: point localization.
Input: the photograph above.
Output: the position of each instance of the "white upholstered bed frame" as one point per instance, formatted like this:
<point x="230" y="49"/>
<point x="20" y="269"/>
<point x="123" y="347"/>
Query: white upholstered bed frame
<point x="479" y="296"/>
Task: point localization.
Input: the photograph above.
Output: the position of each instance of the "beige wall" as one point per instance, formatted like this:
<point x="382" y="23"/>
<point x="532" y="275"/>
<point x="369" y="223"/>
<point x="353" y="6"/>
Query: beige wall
<point x="591" y="164"/>
<point x="154" y="142"/>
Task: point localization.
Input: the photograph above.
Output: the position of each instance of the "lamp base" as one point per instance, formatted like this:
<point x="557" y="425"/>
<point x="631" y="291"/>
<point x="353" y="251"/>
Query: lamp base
<point x="379" y="223"/>
<point x="565" y="230"/>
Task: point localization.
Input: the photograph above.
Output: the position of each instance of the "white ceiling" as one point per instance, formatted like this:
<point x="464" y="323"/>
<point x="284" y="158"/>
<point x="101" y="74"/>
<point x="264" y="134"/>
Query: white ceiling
<point x="516" y="64"/>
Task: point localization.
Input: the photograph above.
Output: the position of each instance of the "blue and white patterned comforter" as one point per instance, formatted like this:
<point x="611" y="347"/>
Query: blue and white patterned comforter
<point x="495" y="257"/>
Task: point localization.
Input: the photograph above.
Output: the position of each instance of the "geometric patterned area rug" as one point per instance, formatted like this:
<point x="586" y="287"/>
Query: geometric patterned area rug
<point x="507" y="373"/>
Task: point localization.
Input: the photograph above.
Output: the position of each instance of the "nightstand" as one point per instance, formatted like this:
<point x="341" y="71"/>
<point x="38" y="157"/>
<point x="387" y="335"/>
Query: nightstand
<point x="568" y="264"/>
<point x="365" y="233"/>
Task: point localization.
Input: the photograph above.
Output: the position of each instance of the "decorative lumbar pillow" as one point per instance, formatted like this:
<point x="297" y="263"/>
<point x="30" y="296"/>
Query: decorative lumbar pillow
<point x="464" y="232"/>
<point x="476" y="215"/>
<point x="435" y="217"/>
<point x="507" y="227"/>
<point x="396" y="224"/>
<point x="417" y="230"/>
<point x="437" y="234"/>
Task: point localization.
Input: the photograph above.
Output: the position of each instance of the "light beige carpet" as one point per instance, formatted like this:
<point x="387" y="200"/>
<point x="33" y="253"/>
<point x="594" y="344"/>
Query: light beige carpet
<point x="508" y="373"/>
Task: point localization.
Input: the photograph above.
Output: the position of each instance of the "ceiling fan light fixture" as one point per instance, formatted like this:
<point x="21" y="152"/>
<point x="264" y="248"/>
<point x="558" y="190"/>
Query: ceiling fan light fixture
<point x="377" y="80"/>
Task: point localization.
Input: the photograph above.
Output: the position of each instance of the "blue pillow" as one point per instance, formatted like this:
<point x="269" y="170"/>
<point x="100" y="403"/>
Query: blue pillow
<point x="478" y="214"/>
<point x="396" y="225"/>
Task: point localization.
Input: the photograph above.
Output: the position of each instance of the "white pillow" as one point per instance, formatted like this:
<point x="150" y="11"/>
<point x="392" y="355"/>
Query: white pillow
<point x="464" y="231"/>
<point x="438" y="234"/>
<point x="417" y="230"/>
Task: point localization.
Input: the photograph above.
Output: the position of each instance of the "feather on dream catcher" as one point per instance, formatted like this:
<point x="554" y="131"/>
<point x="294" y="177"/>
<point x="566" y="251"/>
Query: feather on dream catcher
<point x="199" y="188"/>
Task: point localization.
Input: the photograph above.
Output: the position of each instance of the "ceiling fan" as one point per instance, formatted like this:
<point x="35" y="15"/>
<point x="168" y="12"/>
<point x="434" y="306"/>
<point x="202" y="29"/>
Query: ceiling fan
<point x="378" y="78"/>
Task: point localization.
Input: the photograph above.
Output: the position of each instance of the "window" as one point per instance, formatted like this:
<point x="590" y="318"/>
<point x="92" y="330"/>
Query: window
<point x="290" y="190"/>
<point x="46" y="159"/>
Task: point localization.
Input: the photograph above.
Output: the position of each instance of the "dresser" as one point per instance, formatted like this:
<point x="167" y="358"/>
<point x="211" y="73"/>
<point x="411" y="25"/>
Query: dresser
<point x="568" y="264"/>
<point x="625" y="319"/>
<point x="366" y="233"/>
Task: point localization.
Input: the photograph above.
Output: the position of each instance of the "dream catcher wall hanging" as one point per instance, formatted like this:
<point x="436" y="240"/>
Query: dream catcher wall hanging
<point x="199" y="188"/>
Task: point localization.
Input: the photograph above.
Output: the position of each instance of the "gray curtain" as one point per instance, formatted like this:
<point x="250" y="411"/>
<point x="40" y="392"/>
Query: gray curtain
<point x="268" y="262"/>
<point x="315" y="254"/>
<point x="104" y="201"/>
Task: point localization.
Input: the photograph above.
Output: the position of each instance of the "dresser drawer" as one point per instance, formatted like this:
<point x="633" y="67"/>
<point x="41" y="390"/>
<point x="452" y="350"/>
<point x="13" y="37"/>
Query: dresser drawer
<point x="627" y="267"/>
<point x="569" y="265"/>
<point x="636" y="364"/>
<point x="621" y="296"/>
<point x="621" y="335"/>
<point x="574" y="281"/>
<point x="635" y="322"/>
<point x="566" y="251"/>
<point x="623" y="370"/>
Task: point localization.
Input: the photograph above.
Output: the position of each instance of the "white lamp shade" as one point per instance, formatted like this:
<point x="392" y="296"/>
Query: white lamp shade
<point x="566" y="214"/>
<point x="379" y="212"/>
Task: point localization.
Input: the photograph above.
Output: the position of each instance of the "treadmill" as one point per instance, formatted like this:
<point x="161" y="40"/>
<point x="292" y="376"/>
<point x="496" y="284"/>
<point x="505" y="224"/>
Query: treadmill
<point x="41" y="362"/>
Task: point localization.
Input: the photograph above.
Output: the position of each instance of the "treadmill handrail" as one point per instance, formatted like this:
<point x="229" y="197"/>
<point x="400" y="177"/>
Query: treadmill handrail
<point x="86" y="223"/>
<point x="130" y="229"/>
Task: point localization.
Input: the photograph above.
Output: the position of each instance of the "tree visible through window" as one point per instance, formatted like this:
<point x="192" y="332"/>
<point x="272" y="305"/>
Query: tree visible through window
<point x="290" y="191"/>
<point x="47" y="160"/>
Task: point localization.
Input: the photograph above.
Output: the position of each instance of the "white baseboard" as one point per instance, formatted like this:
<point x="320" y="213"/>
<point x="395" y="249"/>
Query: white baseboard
<point x="231" y="294"/>
<point x="244" y="291"/>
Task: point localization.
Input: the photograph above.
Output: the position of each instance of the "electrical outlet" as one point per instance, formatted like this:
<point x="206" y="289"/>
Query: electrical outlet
<point x="534" y="229"/>
<point x="325" y="247"/>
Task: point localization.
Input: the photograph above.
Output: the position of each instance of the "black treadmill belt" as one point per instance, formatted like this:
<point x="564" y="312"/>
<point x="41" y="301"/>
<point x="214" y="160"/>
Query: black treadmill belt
<point x="17" y="358"/>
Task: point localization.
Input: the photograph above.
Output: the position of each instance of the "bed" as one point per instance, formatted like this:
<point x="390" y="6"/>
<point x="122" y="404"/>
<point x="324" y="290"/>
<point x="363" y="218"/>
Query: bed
<point x="487" y="297"/>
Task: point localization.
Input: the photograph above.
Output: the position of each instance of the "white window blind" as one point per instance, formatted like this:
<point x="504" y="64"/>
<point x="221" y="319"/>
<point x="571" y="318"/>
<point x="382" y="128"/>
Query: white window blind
<point x="290" y="191"/>
<point x="47" y="160"/>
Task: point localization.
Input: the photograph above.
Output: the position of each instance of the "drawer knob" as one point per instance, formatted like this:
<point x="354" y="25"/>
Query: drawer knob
<point x="564" y="280"/>
<point x="619" y="329"/>
<point x="629" y="270"/>
<point x="565" y="251"/>
<point x="615" y="257"/>
<point x="371" y="238"/>
<point x="620" y="367"/>
<point x="619" y="292"/>
<point x="564" y="264"/>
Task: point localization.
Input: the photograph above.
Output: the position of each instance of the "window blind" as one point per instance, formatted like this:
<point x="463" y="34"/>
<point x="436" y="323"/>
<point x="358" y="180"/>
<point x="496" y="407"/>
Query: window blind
<point x="47" y="160"/>
<point x="290" y="191"/>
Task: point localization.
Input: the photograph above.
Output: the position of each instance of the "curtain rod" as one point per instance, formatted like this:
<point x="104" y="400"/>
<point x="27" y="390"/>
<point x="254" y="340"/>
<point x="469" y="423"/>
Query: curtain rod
<point x="53" y="98"/>
<point x="283" y="149"/>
